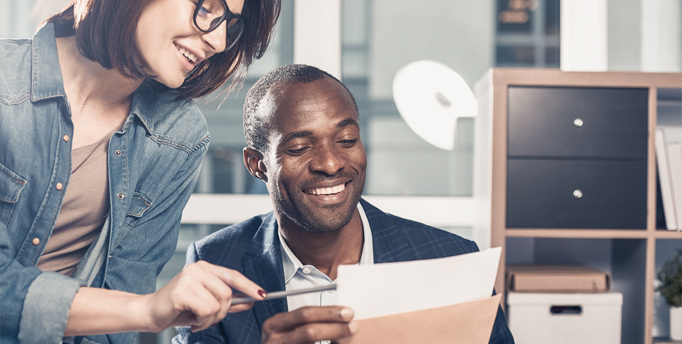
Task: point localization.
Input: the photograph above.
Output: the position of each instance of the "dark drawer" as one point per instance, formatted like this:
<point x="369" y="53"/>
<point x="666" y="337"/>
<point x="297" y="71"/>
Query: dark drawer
<point x="612" y="194"/>
<point x="578" y="122"/>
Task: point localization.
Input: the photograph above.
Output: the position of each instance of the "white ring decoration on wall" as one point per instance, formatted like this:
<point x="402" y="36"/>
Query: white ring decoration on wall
<point x="430" y="97"/>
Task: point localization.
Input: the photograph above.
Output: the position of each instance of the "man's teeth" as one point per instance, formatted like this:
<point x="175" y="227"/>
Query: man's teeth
<point x="327" y="191"/>
<point x="188" y="55"/>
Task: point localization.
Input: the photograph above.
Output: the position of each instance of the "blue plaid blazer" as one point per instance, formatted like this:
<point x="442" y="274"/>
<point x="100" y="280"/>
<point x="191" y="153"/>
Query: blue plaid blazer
<point x="252" y="247"/>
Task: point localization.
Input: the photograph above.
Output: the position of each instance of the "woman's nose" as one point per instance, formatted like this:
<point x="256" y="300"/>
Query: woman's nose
<point x="216" y="39"/>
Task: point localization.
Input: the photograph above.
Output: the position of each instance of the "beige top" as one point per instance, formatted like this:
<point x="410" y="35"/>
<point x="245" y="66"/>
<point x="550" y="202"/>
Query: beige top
<point x="84" y="209"/>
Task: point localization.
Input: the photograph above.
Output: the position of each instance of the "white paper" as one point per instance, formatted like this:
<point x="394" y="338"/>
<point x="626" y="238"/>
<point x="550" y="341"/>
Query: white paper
<point x="392" y="288"/>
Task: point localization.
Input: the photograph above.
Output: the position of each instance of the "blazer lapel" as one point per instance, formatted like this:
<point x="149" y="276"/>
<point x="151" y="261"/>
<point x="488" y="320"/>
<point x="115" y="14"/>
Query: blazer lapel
<point x="391" y="244"/>
<point x="263" y="265"/>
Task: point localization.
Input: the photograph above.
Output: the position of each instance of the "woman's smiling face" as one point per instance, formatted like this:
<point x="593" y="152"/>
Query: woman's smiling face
<point x="170" y="43"/>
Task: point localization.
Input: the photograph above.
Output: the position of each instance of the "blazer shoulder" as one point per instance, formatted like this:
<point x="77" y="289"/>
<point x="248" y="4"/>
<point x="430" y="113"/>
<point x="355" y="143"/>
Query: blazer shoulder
<point x="427" y="241"/>
<point x="228" y="243"/>
<point x="435" y="235"/>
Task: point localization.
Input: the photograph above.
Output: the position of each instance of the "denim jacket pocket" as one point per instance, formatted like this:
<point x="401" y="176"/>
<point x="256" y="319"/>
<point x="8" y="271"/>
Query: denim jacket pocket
<point x="139" y="205"/>
<point x="11" y="185"/>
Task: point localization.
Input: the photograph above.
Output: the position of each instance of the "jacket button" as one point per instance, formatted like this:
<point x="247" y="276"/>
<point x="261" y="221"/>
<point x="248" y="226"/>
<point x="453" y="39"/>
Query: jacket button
<point x="121" y="195"/>
<point x="59" y="186"/>
<point x="66" y="138"/>
<point x="35" y="241"/>
<point x="118" y="153"/>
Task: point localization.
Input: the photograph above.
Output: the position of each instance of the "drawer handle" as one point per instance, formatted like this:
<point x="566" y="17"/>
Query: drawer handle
<point x="566" y="310"/>
<point x="578" y="122"/>
<point x="577" y="194"/>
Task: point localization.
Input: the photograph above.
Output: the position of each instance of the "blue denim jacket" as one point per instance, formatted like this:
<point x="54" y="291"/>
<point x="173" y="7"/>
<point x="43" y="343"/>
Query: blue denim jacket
<point x="153" y="165"/>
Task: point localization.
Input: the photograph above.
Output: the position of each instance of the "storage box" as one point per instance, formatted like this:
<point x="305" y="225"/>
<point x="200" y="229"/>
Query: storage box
<point x="565" y="318"/>
<point x="556" y="279"/>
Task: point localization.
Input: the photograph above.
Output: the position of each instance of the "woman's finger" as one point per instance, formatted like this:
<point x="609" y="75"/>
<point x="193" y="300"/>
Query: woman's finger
<point x="236" y="280"/>
<point x="221" y="291"/>
<point x="240" y="307"/>
<point x="205" y="291"/>
<point x="204" y="305"/>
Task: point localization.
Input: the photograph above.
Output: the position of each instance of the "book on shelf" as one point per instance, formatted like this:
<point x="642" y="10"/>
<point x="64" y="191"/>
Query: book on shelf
<point x="675" y="156"/>
<point x="557" y="279"/>
<point x="665" y="177"/>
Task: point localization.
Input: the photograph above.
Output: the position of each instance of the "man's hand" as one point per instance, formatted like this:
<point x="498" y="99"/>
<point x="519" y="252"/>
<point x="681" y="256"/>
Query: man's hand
<point x="309" y="325"/>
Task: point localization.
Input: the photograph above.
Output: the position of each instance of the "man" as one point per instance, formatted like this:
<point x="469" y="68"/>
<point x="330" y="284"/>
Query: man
<point x="303" y="140"/>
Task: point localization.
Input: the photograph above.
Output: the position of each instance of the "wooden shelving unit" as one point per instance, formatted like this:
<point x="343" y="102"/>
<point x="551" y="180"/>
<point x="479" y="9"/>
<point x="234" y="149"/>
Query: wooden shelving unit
<point x="634" y="246"/>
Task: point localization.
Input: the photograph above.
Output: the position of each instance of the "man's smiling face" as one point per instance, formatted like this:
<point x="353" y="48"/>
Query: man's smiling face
<point x="316" y="162"/>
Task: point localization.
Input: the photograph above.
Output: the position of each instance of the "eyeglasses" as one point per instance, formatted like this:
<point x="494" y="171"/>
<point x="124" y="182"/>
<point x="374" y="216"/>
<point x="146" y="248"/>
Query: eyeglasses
<point x="209" y="14"/>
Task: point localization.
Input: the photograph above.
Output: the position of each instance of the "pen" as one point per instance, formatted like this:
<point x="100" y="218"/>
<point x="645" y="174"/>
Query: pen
<point x="284" y="293"/>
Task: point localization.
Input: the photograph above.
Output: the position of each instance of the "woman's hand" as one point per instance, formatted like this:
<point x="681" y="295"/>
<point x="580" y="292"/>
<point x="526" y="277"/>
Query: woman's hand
<point x="199" y="296"/>
<point x="309" y="325"/>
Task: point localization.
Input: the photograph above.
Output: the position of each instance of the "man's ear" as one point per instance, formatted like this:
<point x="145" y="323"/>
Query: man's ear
<point x="253" y="160"/>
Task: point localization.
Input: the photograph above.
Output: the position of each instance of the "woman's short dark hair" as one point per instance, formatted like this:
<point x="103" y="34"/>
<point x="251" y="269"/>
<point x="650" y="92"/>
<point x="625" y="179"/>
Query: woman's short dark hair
<point x="105" y="33"/>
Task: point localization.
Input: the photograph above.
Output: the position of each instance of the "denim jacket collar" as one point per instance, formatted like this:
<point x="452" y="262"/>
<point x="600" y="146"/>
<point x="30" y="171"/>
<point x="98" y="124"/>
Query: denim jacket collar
<point x="142" y="107"/>
<point x="47" y="81"/>
<point x="46" y="76"/>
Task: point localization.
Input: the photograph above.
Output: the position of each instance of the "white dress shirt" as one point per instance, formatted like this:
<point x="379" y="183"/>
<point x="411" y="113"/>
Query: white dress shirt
<point x="299" y="276"/>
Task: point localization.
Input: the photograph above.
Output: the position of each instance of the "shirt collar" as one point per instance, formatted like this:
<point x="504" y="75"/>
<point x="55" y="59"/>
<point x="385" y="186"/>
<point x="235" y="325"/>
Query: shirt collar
<point x="46" y="80"/>
<point x="291" y="263"/>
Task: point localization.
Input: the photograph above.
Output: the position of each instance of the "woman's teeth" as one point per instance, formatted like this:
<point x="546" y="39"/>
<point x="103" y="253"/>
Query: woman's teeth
<point x="187" y="55"/>
<point x="327" y="191"/>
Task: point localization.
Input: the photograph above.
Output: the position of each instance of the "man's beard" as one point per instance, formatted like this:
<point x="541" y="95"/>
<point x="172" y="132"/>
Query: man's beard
<point x="334" y="219"/>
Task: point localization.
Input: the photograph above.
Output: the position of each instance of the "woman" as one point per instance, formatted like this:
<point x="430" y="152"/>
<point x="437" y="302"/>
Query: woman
<point x="100" y="149"/>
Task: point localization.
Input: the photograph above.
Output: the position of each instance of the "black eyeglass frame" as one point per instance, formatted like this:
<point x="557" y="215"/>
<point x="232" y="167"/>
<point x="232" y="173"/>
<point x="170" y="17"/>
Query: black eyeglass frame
<point x="215" y="23"/>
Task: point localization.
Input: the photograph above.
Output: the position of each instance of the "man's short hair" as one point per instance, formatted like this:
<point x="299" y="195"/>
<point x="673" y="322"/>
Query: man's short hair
<point x="256" y="126"/>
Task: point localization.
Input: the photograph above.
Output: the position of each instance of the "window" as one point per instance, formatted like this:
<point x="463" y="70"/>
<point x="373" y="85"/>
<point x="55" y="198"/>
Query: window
<point x="527" y="33"/>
